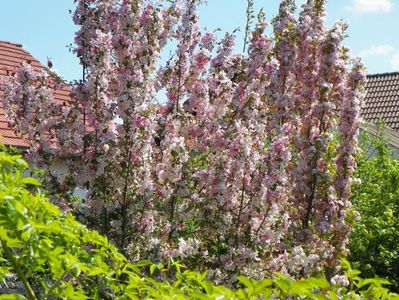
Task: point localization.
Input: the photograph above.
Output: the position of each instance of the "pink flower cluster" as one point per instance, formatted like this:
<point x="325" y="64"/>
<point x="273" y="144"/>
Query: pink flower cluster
<point x="244" y="166"/>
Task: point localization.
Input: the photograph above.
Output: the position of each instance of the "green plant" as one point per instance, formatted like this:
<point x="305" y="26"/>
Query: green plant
<point x="374" y="241"/>
<point x="50" y="252"/>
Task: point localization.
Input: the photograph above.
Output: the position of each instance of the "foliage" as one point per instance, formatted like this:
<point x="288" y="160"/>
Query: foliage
<point x="236" y="171"/>
<point x="56" y="257"/>
<point x="374" y="241"/>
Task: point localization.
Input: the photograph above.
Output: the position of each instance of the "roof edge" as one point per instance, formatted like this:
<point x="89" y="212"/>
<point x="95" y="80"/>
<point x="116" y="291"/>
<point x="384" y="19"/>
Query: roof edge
<point x="11" y="43"/>
<point x="383" y="74"/>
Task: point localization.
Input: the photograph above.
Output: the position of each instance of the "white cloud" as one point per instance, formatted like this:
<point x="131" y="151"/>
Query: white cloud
<point x="377" y="50"/>
<point x="395" y="61"/>
<point x="370" y="6"/>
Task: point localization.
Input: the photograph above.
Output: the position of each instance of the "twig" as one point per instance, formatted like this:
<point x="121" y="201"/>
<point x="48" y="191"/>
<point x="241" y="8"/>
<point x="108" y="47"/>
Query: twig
<point x="10" y="256"/>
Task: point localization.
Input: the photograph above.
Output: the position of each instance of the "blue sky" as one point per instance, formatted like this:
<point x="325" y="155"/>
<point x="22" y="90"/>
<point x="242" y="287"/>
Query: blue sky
<point x="44" y="27"/>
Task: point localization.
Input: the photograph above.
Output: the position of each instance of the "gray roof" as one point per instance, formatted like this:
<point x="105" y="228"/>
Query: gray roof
<point x="382" y="100"/>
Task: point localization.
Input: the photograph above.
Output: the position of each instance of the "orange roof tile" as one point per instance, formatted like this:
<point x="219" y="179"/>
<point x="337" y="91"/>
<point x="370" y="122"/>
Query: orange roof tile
<point x="11" y="57"/>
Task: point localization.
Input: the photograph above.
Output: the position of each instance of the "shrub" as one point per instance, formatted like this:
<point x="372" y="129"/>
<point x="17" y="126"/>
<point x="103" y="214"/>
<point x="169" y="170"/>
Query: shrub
<point x="374" y="242"/>
<point x="235" y="169"/>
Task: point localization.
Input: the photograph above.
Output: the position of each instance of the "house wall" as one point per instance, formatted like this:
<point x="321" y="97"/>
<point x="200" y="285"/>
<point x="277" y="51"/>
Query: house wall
<point x="59" y="168"/>
<point x="391" y="136"/>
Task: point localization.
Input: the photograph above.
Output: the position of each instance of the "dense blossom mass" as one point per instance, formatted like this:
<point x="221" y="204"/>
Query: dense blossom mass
<point x="234" y="162"/>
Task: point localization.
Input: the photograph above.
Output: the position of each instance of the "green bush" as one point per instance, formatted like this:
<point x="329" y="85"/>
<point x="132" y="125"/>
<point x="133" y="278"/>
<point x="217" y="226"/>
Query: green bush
<point x="374" y="243"/>
<point x="56" y="257"/>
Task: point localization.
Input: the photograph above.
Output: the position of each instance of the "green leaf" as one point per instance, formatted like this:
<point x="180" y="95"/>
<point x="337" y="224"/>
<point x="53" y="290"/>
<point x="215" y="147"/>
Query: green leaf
<point x="318" y="283"/>
<point x="284" y="285"/>
<point x="262" y="285"/>
<point x="208" y="287"/>
<point x="31" y="181"/>
<point x="301" y="287"/>
<point x="12" y="297"/>
<point x="373" y="281"/>
<point x="333" y="296"/>
<point x="143" y="263"/>
<point x="245" y="281"/>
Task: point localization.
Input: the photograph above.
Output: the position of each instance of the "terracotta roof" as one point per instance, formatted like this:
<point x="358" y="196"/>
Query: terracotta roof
<point x="382" y="99"/>
<point x="11" y="57"/>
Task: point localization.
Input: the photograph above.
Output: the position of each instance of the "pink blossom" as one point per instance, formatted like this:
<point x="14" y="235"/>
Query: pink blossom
<point x="235" y="150"/>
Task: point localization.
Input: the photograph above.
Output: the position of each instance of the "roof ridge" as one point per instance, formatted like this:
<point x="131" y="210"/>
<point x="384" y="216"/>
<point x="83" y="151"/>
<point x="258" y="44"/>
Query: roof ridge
<point x="383" y="74"/>
<point x="11" y="43"/>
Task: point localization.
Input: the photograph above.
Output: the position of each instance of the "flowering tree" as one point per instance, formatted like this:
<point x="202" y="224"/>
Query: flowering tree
<point x="237" y="170"/>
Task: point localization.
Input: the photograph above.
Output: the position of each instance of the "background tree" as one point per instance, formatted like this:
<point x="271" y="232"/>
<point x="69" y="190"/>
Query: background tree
<point x="374" y="241"/>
